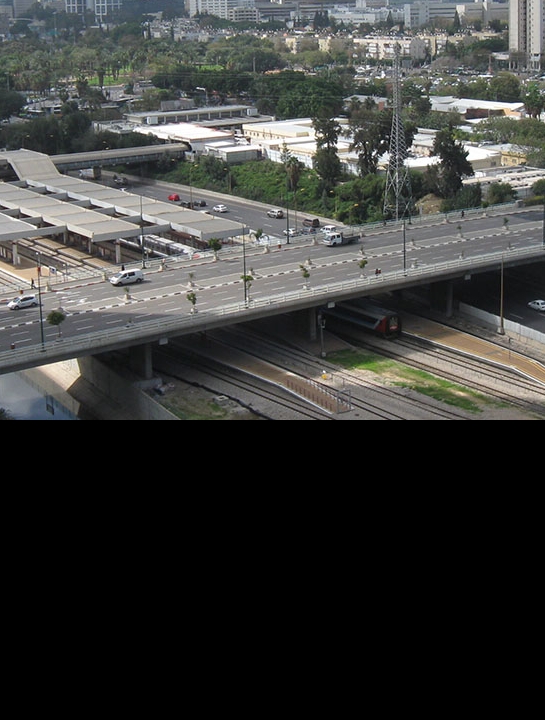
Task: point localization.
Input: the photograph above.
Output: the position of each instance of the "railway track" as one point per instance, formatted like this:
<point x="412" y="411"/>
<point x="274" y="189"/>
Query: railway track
<point x="357" y="398"/>
<point x="368" y="399"/>
<point x="503" y="384"/>
<point x="262" y="399"/>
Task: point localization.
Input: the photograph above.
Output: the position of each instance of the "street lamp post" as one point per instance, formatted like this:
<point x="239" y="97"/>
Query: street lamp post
<point x="404" y="249"/>
<point x="191" y="185"/>
<point x="321" y="325"/>
<point x="244" y="266"/>
<point x="142" y="236"/>
<point x="287" y="219"/>
<point x="543" y="236"/>
<point x="501" y="329"/>
<point x="39" y="272"/>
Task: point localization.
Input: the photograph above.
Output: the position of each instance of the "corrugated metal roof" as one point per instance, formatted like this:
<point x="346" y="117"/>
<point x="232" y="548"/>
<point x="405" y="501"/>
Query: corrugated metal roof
<point x="89" y="209"/>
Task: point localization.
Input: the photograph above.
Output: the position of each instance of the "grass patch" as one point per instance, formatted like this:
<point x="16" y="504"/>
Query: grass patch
<point x="360" y="360"/>
<point x="196" y="409"/>
<point x="419" y="381"/>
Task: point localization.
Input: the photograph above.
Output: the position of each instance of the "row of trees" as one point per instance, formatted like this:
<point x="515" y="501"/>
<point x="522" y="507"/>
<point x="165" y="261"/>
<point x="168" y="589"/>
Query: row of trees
<point x="327" y="189"/>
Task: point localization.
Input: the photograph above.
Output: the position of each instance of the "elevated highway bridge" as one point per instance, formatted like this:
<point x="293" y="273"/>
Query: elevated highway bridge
<point x="121" y="156"/>
<point x="109" y="158"/>
<point x="101" y="320"/>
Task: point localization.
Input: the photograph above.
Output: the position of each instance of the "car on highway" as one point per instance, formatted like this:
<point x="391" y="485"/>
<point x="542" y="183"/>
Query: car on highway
<point x="23" y="301"/>
<point x="328" y="229"/>
<point x="174" y="197"/>
<point x="275" y="213"/>
<point x="193" y="204"/>
<point x="127" y="277"/>
<point x="537" y="305"/>
<point x="220" y="208"/>
<point x="291" y="232"/>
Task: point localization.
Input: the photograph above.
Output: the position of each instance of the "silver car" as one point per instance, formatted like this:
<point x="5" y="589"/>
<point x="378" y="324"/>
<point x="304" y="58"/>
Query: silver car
<point x="23" y="301"/>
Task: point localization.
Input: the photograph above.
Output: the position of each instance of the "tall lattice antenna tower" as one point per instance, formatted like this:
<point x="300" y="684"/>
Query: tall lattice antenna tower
<point x="398" y="193"/>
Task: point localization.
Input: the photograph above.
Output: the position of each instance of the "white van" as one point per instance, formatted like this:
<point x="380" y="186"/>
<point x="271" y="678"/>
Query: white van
<point x="127" y="277"/>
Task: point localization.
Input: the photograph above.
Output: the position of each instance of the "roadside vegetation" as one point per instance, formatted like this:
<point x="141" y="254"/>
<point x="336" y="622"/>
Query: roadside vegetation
<point x="395" y="373"/>
<point x="76" y="62"/>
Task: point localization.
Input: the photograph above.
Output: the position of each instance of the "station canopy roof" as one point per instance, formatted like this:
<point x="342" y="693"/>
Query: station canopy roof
<point x="90" y="209"/>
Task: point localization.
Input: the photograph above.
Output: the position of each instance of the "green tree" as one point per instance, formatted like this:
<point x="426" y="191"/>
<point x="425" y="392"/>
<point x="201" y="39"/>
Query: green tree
<point x="370" y="131"/>
<point x="446" y="178"/>
<point x="247" y="280"/>
<point x="11" y="103"/>
<point x="505" y="87"/>
<point x="538" y="188"/>
<point x="533" y="100"/>
<point x="326" y="160"/>
<point x="499" y="193"/>
<point x="192" y="299"/>
<point x="56" y="318"/>
<point x="215" y="246"/>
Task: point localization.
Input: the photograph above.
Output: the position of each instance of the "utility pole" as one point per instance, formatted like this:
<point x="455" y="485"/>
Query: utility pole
<point x="398" y="193"/>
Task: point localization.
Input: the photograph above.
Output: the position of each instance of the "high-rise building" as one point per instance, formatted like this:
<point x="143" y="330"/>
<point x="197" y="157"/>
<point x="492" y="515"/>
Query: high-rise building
<point x="21" y="7"/>
<point x="101" y="8"/>
<point x="526" y="33"/>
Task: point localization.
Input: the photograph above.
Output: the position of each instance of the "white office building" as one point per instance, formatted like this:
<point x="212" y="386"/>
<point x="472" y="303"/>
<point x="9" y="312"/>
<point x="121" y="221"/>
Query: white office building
<point x="101" y="8"/>
<point x="224" y="9"/>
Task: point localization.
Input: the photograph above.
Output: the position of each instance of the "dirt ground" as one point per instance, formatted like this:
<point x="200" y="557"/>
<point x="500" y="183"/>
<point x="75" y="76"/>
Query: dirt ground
<point x="188" y="402"/>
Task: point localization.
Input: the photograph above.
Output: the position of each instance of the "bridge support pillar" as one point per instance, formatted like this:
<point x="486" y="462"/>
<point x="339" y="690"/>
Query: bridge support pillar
<point x="449" y="295"/>
<point x="441" y="297"/>
<point x="313" y="320"/>
<point x="140" y="361"/>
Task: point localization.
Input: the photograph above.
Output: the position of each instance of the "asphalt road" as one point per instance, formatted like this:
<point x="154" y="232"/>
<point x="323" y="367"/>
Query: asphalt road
<point x="96" y="305"/>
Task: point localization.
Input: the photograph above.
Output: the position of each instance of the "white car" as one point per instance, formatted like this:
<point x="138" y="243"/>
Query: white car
<point x="290" y="232"/>
<point x="220" y="208"/>
<point x="537" y="305"/>
<point x="23" y="301"/>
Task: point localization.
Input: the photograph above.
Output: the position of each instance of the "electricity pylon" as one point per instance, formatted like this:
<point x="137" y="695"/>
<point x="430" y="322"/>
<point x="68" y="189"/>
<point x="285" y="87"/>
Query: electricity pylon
<point x="398" y="194"/>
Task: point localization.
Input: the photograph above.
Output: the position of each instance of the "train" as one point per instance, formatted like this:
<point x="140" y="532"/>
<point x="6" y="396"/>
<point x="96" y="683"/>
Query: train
<point x="156" y="246"/>
<point x="368" y="315"/>
<point x="162" y="246"/>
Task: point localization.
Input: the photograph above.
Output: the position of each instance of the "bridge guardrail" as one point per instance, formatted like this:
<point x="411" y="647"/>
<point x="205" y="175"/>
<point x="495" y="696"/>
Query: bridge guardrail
<point x="433" y="218"/>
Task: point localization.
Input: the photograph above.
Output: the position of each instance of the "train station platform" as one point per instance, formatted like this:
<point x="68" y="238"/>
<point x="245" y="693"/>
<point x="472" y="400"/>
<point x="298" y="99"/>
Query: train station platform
<point x="502" y="352"/>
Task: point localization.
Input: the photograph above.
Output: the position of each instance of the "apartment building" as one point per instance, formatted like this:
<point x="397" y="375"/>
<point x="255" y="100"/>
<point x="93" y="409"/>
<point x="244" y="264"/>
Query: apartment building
<point x="526" y="33"/>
